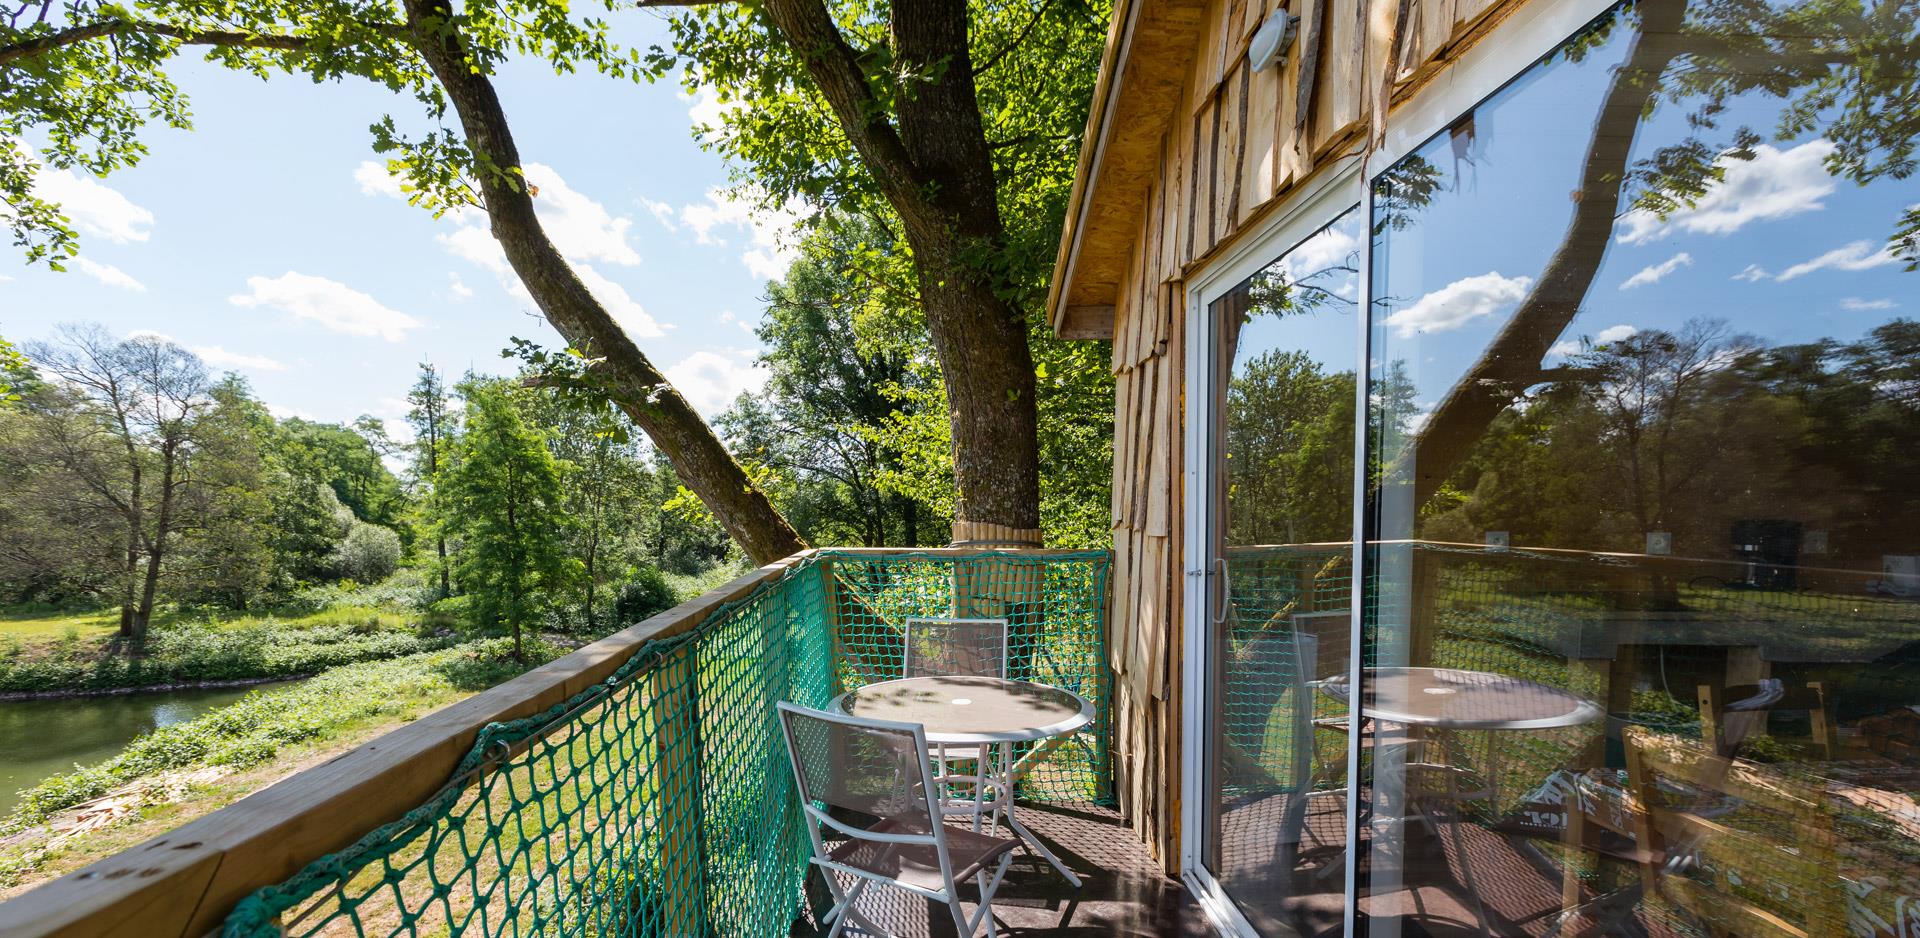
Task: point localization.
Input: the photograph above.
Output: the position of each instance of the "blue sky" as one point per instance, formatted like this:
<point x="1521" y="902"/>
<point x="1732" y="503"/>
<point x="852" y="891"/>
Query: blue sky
<point x="1780" y="249"/>
<point x="269" y="240"/>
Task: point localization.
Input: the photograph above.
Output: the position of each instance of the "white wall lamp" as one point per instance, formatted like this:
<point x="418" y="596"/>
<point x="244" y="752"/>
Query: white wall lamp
<point x="1272" y="40"/>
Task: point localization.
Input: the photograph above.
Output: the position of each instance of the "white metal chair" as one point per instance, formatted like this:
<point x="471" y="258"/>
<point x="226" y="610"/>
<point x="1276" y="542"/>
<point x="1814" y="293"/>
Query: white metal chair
<point x="878" y="769"/>
<point x="968" y="648"/>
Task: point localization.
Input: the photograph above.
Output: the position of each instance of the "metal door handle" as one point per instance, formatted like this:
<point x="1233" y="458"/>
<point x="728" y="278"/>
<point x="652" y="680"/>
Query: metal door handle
<point x="1221" y="592"/>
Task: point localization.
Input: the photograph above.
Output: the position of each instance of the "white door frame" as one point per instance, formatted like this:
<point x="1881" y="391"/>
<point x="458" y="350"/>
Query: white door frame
<point x="1515" y="45"/>
<point x="1306" y="212"/>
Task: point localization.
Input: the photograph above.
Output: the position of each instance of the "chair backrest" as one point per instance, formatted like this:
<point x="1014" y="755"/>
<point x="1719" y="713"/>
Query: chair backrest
<point x="1330" y="632"/>
<point x="873" y="768"/>
<point x="1747" y="849"/>
<point x="964" y="647"/>
<point x="1731" y="714"/>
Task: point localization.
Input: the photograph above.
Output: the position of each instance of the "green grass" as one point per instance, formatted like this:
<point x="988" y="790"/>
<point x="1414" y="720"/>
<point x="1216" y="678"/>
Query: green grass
<point x="34" y="626"/>
<point x="260" y="726"/>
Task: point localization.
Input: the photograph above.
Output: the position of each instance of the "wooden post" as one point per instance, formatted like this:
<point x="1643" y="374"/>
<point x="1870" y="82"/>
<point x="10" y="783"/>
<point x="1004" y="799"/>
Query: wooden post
<point x="675" y="704"/>
<point x="1423" y="605"/>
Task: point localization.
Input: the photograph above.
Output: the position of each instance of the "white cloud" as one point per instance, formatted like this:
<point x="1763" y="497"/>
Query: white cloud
<point x="580" y="227"/>
<point x="96" y="208"/>
<point x="476" y="245"/>
<point x="221" y="358"/>
<point x="1751" y="273"/>
<point x="1774" y="184"/>
<point x="1857" y="255"/>
<point x="1857" y="304"/>
<point x="108" y="274"/>
<point x="1607" y="336"/>
<point x="458" y="287"/>
<point x="375" y="180"/>
<point x="331" y="304"/>
<point x="1331" y="247"/>
<point x="707" y="111"/>
<point x="622" y="306"/>
<point x="1656" y="272"/>
<point x="662" y="212"/>
<point x="1459" y="303"/>
<point x="710" y="381"/>
<point x="773" y="242"/>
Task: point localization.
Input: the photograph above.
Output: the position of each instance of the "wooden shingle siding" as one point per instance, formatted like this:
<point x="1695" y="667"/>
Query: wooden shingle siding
<point x="1198" y="149"/>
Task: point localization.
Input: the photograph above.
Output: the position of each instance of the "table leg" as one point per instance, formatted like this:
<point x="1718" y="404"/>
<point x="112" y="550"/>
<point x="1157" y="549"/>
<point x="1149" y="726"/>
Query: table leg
<point x="1020" y="830"/>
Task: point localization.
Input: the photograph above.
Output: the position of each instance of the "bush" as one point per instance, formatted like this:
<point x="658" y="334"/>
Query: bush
<point x="644" y="596"/>
<point x="368" y="554"/>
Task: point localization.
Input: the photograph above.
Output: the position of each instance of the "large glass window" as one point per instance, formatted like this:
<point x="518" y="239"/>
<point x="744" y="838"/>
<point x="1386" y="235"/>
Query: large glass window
<point x="1283" y="399"/>
<point x="1642" y="625"/>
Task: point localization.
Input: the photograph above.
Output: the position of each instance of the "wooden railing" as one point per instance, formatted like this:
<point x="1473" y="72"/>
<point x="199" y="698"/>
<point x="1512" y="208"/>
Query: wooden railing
<point x="185" y="882"/>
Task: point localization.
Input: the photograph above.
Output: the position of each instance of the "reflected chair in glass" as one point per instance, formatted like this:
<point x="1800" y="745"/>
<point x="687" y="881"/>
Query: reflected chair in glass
<point x="1742" y="848"/>
<point x="866" y="784"/>
<point x="970" y="648"/>
<point x="1732" y="714"/>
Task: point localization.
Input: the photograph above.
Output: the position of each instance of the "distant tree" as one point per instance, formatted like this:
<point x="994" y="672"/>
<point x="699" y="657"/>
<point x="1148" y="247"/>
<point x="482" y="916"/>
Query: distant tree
<point x="433" y="426"/>
<point x="501" y="497"/>
<point x="368" y="554"/>
<point x="601" y="487"/>
<point x="226" y="555"/>
<point x="144" y="399"/>
<point x="16" y="374"/>
<point x="832" y="389"/>
<point x="348" y="462"/>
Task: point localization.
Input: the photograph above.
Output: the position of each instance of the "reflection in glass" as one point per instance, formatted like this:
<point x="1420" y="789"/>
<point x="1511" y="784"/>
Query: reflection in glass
<point x="1643" y="605"/>
<point x="1284" y="397"/>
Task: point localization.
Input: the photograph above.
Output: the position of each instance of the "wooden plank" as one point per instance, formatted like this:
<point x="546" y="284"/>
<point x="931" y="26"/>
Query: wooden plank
<point x="1236" y="139"/>
<point x="677" y="760"/>
<point x="1262" y="155"/>
<point x="1086" y="322"/>
<point x="1340" y="90"/>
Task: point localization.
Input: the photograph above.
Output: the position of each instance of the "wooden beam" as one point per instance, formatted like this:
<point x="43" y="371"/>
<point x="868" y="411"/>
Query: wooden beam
<point x="1086" y="323"/>
<point x="186" y="881"/>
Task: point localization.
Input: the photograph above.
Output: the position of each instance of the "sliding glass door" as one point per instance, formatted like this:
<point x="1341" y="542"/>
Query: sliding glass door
<point x="1645" y="421"/>
<point x="1279" y="352"/>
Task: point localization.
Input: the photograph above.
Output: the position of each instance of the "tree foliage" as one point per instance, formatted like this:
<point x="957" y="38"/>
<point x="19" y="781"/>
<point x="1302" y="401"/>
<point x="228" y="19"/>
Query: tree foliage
<point x="501" y="498"/>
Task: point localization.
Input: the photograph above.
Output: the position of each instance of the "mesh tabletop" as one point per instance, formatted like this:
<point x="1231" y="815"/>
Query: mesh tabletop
<point x="1458" y="699"/>
<point x="966" y="709"/>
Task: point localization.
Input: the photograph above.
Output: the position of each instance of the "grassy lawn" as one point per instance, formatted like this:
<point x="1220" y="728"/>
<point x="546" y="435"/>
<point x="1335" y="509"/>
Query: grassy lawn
<point x="33" y="627"/>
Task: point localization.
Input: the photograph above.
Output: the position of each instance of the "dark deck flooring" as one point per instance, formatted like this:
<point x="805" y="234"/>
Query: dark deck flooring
<point x="1124" y="893"/>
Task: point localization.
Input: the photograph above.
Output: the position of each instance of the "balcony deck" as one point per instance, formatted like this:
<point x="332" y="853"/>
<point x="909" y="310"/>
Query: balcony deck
<point x="1124" y="894"/>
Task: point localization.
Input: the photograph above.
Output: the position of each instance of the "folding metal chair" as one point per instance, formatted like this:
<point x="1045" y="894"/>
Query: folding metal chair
<point x="969" y="648"/>
<point x="878" y="771"/>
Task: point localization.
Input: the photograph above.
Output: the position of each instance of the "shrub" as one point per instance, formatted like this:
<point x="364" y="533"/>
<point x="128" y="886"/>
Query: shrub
<point x="646" y="595"/>
<point x="368" y="554"/>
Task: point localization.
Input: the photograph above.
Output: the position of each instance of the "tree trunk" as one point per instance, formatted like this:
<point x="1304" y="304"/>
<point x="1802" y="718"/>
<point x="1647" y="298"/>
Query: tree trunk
<point x="936" y="171"/>
<point x="1512" y="362"/>
<point x="632" y="381"/>
<point x="157" y="548"/>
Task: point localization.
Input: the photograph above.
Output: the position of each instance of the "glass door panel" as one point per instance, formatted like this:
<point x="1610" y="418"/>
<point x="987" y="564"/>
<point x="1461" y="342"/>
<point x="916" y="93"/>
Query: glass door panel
<point x="1643" y="605"/>
<point x="1281" y="517"/>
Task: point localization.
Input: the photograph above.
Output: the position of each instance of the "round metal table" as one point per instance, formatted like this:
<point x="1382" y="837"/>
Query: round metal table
<point x="1453" y="699"/>
<point x="1456" y="699"/>
<point x="987" y="714"/>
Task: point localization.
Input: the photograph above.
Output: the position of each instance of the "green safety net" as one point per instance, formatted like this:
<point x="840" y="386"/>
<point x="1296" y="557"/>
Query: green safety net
<point x="660" y="802"/>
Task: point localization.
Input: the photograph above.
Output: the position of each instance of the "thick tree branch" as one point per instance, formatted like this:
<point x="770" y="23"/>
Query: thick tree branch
<point x="632" y="381"/>
<point x="40" y="45"/>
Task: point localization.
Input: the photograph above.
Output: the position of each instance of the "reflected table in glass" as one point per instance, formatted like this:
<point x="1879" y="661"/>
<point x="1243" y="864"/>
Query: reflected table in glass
<point x="989" y="713"/>
<point x="1453" y="699"/>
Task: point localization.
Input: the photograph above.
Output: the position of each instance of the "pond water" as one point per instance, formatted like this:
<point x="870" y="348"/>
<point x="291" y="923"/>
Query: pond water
<point x="39" y="738"/>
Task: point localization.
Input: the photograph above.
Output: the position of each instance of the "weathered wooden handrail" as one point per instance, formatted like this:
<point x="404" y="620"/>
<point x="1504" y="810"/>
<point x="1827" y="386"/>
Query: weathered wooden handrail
<point x="184" y="882"/>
